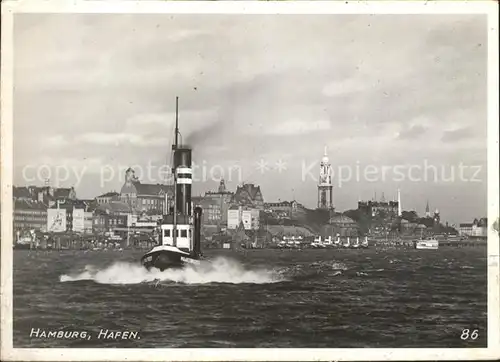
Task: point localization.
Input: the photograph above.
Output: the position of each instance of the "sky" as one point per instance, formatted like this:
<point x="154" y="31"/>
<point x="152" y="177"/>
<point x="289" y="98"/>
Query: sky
<point x="398" y="100"/>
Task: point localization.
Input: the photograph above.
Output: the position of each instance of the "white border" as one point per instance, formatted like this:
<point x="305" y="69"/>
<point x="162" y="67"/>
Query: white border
<point x="386" y="7"/>
<point x="493" y="185"/>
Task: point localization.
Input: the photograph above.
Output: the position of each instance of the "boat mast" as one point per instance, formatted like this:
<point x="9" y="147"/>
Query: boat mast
<point x="174" y="231"/>
<point x="176" y="120"/>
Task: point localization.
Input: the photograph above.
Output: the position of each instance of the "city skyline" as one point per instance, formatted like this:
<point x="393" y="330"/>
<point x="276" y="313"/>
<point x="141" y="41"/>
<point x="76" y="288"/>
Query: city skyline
<point x="247" y="97"/>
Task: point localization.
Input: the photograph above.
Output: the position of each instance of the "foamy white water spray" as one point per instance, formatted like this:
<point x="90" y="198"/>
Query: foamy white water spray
<point x="219" y="270"/>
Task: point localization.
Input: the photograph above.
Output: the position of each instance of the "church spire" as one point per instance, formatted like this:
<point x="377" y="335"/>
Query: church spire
<point x="427" y="210"/>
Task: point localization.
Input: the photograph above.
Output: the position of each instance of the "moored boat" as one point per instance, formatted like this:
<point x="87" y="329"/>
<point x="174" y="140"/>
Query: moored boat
<point x="432" y="244"/>
<point x="426" y="243"/>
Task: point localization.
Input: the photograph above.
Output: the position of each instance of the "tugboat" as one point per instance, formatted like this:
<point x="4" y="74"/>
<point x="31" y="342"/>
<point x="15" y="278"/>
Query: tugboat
<point x="180" y="230"/>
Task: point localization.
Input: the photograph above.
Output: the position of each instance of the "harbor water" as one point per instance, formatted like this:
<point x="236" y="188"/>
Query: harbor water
<point x="378" y="297"/>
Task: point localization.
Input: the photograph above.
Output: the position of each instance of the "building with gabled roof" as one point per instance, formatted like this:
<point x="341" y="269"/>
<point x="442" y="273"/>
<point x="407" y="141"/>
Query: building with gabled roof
<point x="285" y="209"/>
<point x="116" y="208"/>
<point x="65" y="193"/>
<point x="248" y="195"/>
<point x="478" y="228"/>
<point x="146" y="197"/>
<point x="45" y="194"/>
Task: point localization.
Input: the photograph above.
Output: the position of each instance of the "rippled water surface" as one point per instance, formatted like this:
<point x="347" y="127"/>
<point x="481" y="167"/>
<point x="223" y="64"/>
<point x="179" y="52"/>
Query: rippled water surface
<point x="261" y="298"/>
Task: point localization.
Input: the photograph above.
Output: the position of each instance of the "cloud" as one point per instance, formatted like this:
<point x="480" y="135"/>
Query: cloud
<point x="297" y="126"/>
<point x="67" y="164"/>
<point x="411" y="132"/>
<point x="250" y="85"/>
<point x="457" y="134"/>
<point x="121" y="139"/>
<point x="416" y="127"/>
<point x="151" y="119"/>
<point x="56" y="141"/>
<point x="100" y="138"/>
<point x="347" y="86"/>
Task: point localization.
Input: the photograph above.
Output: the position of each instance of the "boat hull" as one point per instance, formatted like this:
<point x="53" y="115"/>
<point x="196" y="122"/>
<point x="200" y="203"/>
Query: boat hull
<point x="426" y="247"/>
<point x="427" y="244"/>
<point x="167" y="258"/>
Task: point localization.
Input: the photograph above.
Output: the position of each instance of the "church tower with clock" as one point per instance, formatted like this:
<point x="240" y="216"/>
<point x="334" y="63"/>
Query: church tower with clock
<point x="325" y="185"/>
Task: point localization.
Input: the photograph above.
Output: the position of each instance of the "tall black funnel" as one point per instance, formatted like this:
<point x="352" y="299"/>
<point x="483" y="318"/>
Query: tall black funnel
<point x="182" y="166"/>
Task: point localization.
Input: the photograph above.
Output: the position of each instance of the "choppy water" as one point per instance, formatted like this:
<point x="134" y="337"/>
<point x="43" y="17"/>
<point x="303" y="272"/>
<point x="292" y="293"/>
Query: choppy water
<point x="261" y="298"/>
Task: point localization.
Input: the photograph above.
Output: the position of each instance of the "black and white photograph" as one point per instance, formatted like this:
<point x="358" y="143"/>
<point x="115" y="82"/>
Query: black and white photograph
<point x="250" y="176"/>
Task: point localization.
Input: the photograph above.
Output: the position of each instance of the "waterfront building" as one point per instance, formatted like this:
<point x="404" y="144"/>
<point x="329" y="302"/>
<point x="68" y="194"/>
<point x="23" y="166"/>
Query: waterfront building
<point x="70" y="215"/>
<point x="249" y="217"/>
<point x="82" y="221"/>
<point x="248" y="195"/>
<point x="215" y="205"/>
<point x="45" y="194"/>
<point x="100" y="222"/>
<point x="285" y="209"/>
<point x="111" y="215"/>
<point x="107" y="197"/>
<point x="478" y="228"/>
<point x="325" y="185"/>
<point x="254" y="219"/>
<point x="150" y="198"/>
<point x="212" y="210"/>
<point x="465" y="229"/>
<point x="88" y="222"/>
<point x="29" y="215"/>
<point x="116" y="208"/>
<point x="386" y="209"/>
<point x="121" y="220"/>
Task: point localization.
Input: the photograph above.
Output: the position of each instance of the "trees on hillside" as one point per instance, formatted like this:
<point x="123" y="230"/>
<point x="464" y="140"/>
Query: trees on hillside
<point x="362" y="219"/>
<point x="410" y="216"/>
